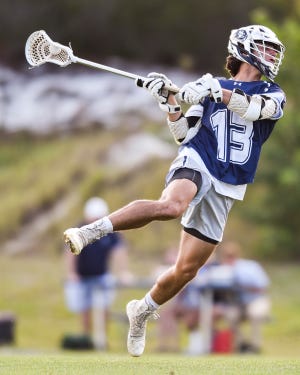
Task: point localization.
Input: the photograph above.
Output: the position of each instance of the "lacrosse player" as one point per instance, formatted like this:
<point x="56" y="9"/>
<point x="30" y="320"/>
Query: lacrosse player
<point x="220" y="139"/>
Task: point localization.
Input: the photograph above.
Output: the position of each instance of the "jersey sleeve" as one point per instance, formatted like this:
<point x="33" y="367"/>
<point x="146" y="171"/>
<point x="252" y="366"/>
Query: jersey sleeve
<point x="195" y="111"/>
<point x="280" y="100"/>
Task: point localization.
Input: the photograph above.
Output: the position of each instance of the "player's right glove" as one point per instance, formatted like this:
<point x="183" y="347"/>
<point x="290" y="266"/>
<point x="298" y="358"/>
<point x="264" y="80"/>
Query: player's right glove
<point x="159" y="86"/>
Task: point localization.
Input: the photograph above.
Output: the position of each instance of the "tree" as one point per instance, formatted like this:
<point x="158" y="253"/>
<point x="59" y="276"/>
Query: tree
<point x="275" y="206"/>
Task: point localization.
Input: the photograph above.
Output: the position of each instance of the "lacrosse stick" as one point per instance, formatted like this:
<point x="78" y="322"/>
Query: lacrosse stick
<point x="40" y="49"/>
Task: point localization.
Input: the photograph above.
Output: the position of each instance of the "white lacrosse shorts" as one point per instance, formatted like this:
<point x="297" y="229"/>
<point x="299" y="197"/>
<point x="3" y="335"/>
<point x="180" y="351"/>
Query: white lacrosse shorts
<point x="208" y="212"/>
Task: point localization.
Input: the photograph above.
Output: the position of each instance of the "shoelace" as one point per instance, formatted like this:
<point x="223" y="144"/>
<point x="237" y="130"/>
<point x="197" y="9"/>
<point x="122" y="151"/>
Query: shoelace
<point x="88" y="235"/>
<point x="140" y="321"/>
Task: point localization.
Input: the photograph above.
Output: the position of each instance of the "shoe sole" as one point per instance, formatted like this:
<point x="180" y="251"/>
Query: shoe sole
<point x="71" y="243"/>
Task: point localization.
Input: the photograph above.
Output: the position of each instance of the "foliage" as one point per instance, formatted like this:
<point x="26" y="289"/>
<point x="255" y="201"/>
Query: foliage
<point x="49" y="171"/>
<point x="171" y="32"/>
<point x="34" y="166"/>
<point x="189" y="34"/>
<point x="275" y="204"/>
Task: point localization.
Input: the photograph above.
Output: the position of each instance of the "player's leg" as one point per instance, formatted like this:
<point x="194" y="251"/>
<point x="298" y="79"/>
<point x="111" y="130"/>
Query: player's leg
<point x="257" y="313"/>
<point x="172" y="203"/>
<point x="86" y="321"/>
<point x="204" y="223"/>
<point x="78" y="301"/>
<point x="232" y="315"/>
<point x="193" y="253"/>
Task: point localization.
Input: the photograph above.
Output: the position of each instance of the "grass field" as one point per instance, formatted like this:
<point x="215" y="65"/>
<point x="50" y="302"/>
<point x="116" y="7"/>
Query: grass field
<point x="31" y="287"/>
<point x="32" y="281"/>
<point x="106" y="364"/>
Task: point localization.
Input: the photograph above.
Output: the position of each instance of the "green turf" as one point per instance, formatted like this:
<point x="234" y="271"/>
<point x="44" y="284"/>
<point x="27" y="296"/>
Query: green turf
<point x="72" y="363"/>
<point x="32" y="288"/>
<point x="32" y="282"/>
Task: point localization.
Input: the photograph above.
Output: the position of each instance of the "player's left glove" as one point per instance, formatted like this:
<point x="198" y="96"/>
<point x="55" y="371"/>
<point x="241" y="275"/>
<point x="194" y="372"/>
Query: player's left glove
<point x="159" y="86"/>
<point x="195" y="92"/>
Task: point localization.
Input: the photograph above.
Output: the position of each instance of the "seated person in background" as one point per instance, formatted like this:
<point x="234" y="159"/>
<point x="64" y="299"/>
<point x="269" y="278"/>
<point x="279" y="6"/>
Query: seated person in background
<point x="252" y="304"/>
<point x="91" y="269"/>
<point x="239" y="290"/>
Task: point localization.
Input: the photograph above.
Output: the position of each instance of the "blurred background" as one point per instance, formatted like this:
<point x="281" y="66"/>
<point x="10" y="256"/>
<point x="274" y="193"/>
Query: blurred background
<point x="71" y="133"/>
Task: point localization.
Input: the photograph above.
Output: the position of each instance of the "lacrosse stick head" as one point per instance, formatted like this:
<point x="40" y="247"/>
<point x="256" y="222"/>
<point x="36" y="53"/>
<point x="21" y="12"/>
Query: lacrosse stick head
<point x="40" y="49"/>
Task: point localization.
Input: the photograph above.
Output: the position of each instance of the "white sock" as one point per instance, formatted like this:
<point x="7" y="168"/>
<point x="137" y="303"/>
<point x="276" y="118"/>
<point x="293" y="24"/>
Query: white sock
<point x="104" y="225"/>
<point x="150" y="302"/>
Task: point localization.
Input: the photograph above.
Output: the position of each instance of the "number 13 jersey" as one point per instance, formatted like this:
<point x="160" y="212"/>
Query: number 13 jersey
<point x="230" y="146"/>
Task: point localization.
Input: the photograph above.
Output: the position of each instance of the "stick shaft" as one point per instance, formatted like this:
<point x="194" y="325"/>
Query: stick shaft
<point x="119" y="72"/>
<point x="105" y="67"/>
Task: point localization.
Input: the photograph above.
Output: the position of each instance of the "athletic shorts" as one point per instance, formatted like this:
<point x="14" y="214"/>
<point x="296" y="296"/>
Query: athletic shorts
<point x="207" y="214"/>
<point x="89" y="292"/>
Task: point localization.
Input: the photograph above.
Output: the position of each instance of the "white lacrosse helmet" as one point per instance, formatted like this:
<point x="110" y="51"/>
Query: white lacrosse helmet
<point x="258" y="46"/>
<point x="95" y="208"/>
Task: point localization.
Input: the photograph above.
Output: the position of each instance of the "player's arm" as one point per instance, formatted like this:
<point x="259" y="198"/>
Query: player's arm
<point x="184" y="128"/>
<point x="252" y="108"/>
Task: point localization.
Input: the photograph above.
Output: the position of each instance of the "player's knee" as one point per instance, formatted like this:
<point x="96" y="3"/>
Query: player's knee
<point x="172" y="209"/>
<point x="187" y="272"/>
